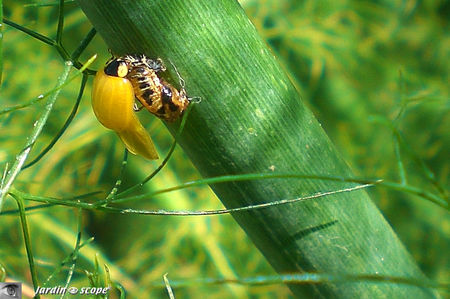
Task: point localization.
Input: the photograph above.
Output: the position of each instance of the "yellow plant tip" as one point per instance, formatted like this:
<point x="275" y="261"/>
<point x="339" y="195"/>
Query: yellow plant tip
<point x="88" y="62"/>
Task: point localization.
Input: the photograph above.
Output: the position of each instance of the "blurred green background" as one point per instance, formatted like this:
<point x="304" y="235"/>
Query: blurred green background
<point x="354" y="62"/>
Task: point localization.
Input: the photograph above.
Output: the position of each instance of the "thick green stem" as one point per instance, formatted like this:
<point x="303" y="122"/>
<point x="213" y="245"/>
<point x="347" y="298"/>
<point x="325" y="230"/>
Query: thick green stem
<point x="252" y="120"/>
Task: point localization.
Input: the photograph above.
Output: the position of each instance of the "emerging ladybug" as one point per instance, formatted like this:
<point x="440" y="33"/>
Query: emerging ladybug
<point x="154" y="93"/>
<point x="121" y="81"/>
<point x="113" y="102"/>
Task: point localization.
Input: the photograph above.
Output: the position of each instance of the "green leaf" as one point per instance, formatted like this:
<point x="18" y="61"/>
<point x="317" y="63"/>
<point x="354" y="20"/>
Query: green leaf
<point x="251" y="120"/>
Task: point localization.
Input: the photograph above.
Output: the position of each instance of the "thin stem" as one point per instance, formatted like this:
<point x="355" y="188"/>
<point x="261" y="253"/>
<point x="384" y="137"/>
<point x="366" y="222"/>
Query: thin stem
<point x="32" y="33"/>
<point x="245" y="208"/>
<point x="189" y="213"/>
<point x="121" y="290"/>
<point x="74" y="255"/>
<point x="119" y="179"/>
<point x="243" y="177"/>
<point x="398" y="154"/>
<point x="427" y="172"/>
<point x="234" y="178"/>
<point x="403" y="103"/>
<point x="310" y="278"/>
<point x="168" y="287"/>
<point x="164" y="162"/>
<point x="69" y="259"/>
<point x="47" y="4"/>
<point x="27" y="209"/>
<point x="417" y="191"/>
<point x="64" y="127"/>
<point x="57" y="43"/>
<point x="2" y="270"/>
<point x="60" y="28"/>
<point x="27" y="238"/>
<point x="84" y="43"/>
<point x="39" y="124"/>
<point x="49" y="93"/>
<point x="65" y="55"/>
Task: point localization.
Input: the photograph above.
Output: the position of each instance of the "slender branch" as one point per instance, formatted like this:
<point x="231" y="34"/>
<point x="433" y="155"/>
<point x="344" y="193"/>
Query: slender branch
<point x="110" y="209"/>
<point x="64" y="127"/>
<point x="160" y="167"/>
<point x="309" y="278"/>
<point x="84" y="43"/>
<point x="27" y="239"/>
<point x="60" y="28"/>
<point x="32" y="33"/>
<point x="39" y="124"/>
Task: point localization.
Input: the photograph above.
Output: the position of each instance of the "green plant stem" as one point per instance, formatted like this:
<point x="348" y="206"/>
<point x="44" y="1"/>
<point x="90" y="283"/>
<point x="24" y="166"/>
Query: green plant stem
<point x="48" y="94"/>
<point x="262" y="176"/>
<point x="147" y="196"/>
<point x="251" y="120"/>
<point x="118" y="183"/>
<point x="84" y="43"/>
<point x="111" y="209"/>
<point x="168" y="287"/>
<point x="27" y="239"/>
<point x="401" y="144"/>
<point x="32" y="33"/>
<point x="60" y="28"/>
<point x="308" y="278"/>
<point x="398" y="155"/>
<point x="74" y="255"/>
<point x="112" y="195"/>
<point x="57" y="43"/>
<point x="64" y="127"/>
<point x="37" y="129"/>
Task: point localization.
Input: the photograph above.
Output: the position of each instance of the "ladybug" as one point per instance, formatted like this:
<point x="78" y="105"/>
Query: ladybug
<point x="113" y="101"/>
<point x="153" y="92"/>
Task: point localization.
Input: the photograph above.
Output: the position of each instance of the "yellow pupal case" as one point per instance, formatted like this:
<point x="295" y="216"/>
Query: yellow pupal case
<point x="113" y="101"/>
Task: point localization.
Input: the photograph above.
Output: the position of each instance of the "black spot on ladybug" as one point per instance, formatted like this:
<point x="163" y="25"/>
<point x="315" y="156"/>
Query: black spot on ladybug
<point x="161" y="110"/>
<point x="173" y="107"/>
<point x="166" y="94"/>
<point x="147" y="95"/>
<point x="144" y="85"/>
<point x="141" y="70"/>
